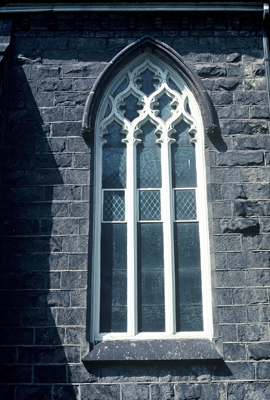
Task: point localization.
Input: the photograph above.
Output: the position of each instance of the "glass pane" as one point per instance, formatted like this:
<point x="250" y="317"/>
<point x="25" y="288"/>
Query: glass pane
<point x="189" y="287"/>
<point x="114" y="135"/>
<point x="123" y="85"/>
<point x="189" y="318"/>
<point x="114" y="168"/>
<point x="149" y="205"/>
<point x="114" y="247"/>
<point x="188" y="277"/>
<point x="182" y="136"/>
<point x="185" y="205"/>
<point x="164" y="107"/>
<point x="187" y="245"/>
<point x="147" y="82"/>
<point x="150" y="245"/>
<point x="151" y="310"/>
<point x="173" y="86"/>
<point x="113" y="295"/>
<point x="183" y="167"/>
<point x="131" y="107"/>
<point x="148" y="159"/>
<point x="114" y="205"/>
<point x="113" y="319"/>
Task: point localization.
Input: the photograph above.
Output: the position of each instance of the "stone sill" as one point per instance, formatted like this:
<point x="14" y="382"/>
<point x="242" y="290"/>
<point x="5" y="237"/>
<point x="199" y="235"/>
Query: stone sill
<point x="153" y="351"/>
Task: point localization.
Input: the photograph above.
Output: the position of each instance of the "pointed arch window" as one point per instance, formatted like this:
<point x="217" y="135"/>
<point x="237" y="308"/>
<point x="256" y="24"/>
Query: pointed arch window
<point x="151" y="252"/>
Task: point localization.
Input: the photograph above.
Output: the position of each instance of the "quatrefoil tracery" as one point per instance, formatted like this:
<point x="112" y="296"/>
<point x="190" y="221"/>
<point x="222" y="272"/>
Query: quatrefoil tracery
<point x="148" y="94"/>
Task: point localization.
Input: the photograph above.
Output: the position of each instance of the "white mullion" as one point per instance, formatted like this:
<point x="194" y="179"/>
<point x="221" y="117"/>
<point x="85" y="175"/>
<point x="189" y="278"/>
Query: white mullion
<point x="167" y="217"/>
<point x="131" y="239"/>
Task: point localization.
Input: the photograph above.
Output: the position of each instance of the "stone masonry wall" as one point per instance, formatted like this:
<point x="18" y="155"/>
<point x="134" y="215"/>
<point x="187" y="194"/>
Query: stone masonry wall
<point x="46" y="208"/>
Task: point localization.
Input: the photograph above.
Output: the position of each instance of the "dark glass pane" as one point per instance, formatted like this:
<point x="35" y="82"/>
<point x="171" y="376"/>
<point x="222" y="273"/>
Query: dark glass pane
<point x="113" y="319"/>
<point x="164" y="107"/>
<point x="114" y="135"/>
<point x="148" y="159"/>
<point x="131" y="107"/>
<point x="151" y="311"/>
<point x="149" y="205"/>
<point x="173" y="86"/>
<point x="123" y="85"/>
<point x="152" y="319"/>
<point x="108" y="110"/>
<point x="150" y="245"/>
<point x="113" y="247"/>
<point x="185" y="205"/>
<point x="114" y="205"/>
<point x="152" y="287"/>
<point x="187" y="245"/>
<point x="183" y="167"/>
<point x="147" y="82"/>
<point x="113" y="168"/>
<point x="188" y="277"/>
<point x="189" y="318"/>
<point x="113" y="295"/>
<point x="182" y="136"/>
<point x="188" y="287"/>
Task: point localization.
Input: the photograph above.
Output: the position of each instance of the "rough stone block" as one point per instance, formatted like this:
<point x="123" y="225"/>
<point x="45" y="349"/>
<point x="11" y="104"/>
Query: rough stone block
<point x="258" y="313"/>
<point x="253" y="333"/>
<point x="162" y="391"/>
<point x="66" y="392"/>
<point x="248" y="390"/>
<point x="73" y="279"/>
<point x="72" y="317"/>
<point x="263" y="370"/>
<point x="232" y="315"/>
<point x="250" y="296"/>
<point x="240" y="225"/>
<point x="26" y="392"/>
<point x="234" y="351"/>
<point x="95" y="392"/>
<point x="50" y="374"/>
<point x="230" y="278"/>
<point x="258" y="242"/>
<point x="228" y="242"/>
<point x="233" y="158"/>
<point x="198" y="391"/>
<point x="135" y="392"/>
<point x="259" y="351"/>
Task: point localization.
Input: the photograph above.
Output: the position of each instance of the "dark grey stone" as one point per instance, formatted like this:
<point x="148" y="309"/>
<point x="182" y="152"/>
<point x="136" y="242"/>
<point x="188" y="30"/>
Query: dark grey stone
<point x="259" y="351"/>
<point x="153" y="350"/>
<point x="232" y="158"/>
<point x="240" y="225"/>
<point x="234" y="351"/>
<point x="135" y="392"/>
<point x="97" y="392"/>
<point x="253" y="333"/>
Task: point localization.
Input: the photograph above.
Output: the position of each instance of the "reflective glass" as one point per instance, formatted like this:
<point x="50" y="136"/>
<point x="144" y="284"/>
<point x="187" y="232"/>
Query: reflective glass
<point x="147" y="82"/>
<point x="123" y="85"/>
<point x="131" y="107"/>
<point x="148" y="159"/>
<point x="183" y="167"/>
<point x="185" y="205"/>
<point x="151" y="309"/>
<point x="173" y="86"/>
<point x="113" y="294"/>
<point x="114" y="205"/>
<point x="149" y="205"/>
<point x="189" y="318"/>
<point x="114" y="135"/>
<point x="164" y="107"/>
<point x="114" y="168"/>
<point x="187" y="245"/>
<point x="188" y="283"/>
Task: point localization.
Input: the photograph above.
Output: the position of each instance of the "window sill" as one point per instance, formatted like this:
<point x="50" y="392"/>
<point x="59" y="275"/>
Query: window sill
<point x="153" y="351"/>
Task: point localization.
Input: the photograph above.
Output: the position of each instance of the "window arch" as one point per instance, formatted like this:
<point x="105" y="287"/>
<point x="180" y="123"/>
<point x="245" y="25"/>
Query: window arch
<point x="151" y="274"/>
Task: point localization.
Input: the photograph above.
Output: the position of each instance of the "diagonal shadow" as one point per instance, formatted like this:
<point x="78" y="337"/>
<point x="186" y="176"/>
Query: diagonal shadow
<point x="32" y="351"/>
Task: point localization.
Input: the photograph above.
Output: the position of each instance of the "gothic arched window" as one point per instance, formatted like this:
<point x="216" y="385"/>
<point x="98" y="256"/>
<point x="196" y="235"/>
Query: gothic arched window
<point x="151" y="250"/>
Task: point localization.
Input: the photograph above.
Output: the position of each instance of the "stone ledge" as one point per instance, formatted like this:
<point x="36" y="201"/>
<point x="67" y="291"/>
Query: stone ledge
<point x="153" y="350"/>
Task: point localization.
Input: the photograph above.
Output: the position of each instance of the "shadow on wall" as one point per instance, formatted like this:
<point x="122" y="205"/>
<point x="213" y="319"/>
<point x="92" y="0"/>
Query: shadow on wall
<point x="32" y="353"/>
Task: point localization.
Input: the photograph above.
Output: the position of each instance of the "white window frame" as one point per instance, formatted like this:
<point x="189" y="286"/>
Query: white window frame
<point x="167" y="198"/>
